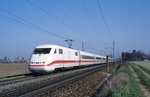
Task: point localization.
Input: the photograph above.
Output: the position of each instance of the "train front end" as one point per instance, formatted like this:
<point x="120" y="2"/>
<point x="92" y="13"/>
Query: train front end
<point x="40" y="58"/>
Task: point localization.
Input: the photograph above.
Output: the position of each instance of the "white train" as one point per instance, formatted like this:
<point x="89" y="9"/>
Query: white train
<point x="47" y="58"/>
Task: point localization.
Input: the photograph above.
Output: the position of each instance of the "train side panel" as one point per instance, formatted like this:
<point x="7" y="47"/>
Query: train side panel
<point x="65" y="57"/>
<point x="86" y="58"/>
<point x="72" y="57"/>
<point x="47" y="58"/>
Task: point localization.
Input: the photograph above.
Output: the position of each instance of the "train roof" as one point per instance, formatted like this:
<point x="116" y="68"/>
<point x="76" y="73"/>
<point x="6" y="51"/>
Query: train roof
<point x="82" y="52"/>
<point x="53" y="46"/>
<point x="44" y="46"/>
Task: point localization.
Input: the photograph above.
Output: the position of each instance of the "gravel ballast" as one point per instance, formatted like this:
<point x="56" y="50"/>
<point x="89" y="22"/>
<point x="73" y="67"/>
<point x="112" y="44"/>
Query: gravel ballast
<point x="82" y="88"/>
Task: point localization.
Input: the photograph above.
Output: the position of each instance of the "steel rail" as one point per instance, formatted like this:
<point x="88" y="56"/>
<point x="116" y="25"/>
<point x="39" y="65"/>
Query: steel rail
<point x="31" y="87"/>
<point x="68" y="80"/>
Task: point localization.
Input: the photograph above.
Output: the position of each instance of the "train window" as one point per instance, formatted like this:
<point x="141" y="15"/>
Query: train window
<point x="76" y="53"/>
<point x="55" y="51"/>
<point x="60" y="51"/>
<point x="87" y="57"/>
<point x="104" y="58"/>
<point x="42" y="51"/>
<point x="99" y="58"/>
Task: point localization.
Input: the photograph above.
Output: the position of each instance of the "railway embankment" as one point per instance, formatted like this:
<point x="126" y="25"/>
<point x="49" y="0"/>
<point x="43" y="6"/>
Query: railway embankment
<point x="122" y="83"/>
<point x="142" y="77"/>
<point x="46" y="85"/>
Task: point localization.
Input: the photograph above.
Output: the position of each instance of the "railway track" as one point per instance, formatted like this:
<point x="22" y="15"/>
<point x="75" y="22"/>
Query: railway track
<point x="47" y="83"/>
<point x="14" y="79"/>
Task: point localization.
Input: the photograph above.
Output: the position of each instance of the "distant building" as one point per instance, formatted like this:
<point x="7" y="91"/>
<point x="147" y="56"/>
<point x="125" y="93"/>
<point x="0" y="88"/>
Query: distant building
<point x="146" y="58"/>
<point x="15" y="60"/>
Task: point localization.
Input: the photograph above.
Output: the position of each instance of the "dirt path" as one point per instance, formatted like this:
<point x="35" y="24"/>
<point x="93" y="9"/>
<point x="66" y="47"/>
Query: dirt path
<point x="142" y="87"/>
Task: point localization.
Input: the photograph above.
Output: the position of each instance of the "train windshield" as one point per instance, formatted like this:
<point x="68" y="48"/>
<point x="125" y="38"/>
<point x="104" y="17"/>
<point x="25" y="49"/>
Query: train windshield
<point x="42" y="51"/>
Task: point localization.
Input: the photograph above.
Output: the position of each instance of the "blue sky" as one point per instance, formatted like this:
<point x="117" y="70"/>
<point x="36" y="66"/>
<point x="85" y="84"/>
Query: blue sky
<point x="24" y="26"/>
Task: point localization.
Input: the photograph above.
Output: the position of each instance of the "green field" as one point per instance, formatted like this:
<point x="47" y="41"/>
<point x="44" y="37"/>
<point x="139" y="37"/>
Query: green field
<point x="145" y="64"/>
<point x="142" y="68"/>
<point x="123" y="82"/>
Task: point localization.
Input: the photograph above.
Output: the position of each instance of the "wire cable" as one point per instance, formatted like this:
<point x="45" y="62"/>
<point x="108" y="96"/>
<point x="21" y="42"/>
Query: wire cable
<point x="82" y="32"/>
<point x="50" y="15"/>
<point x="106" y="24"/>
<point x="57" y="19"/>
<point x="89" y="16"/>
<point x="31" y="24"/>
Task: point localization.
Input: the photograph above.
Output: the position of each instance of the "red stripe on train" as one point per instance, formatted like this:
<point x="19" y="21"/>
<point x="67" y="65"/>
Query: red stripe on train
<point x="66" y="61"/>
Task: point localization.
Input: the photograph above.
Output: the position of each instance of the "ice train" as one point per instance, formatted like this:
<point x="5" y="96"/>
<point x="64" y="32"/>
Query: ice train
<point x="47" y="58"/>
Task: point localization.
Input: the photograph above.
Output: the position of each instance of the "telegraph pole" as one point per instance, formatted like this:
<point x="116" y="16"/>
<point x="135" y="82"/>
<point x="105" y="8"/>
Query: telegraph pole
<point x="107" y="62"/>
<point x="114" y="49"/>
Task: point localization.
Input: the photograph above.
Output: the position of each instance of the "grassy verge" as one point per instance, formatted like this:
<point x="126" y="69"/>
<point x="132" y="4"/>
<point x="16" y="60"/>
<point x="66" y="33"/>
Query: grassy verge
<point x="143" y="78"/>
<point x="122" y="83"/>
<point x="126" y="84"/>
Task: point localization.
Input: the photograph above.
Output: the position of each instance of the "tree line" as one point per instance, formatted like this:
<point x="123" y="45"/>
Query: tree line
<point x="135" y="56"/>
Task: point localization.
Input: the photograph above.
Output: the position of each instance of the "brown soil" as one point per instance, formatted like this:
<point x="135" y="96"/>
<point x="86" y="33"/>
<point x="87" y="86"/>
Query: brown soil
<point x="13" y="69"/>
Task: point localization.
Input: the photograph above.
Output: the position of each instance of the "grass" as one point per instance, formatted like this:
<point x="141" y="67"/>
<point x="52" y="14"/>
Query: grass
<point x="128" y="87"/>
<point x="145" y="64"/>
<point x="144" y="69"/>
<point x="143" y="78"/>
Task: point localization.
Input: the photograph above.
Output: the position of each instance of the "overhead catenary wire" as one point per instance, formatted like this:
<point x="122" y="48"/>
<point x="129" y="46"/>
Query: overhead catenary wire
<point x="33" y="20"/>
<point x="29" y="24"/>
<point x="46" y="12"/>
<point x="91" y="21"/>
<point x="82" y="32"/>
<point x="32" y="25"/>
<point x="26" y="22"/>
<point x="50" y="15"/>
<point x="107" y="27"/>
<point x="90" y="18"/>
<point x="17" y="21"/>
<point x="105" y="22"/>
<point x="64" y="14"/>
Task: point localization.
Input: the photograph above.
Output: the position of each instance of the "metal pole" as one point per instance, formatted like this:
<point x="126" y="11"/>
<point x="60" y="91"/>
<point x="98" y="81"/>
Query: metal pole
<point x="113" y="49"/>
<point x="107" y="63"/>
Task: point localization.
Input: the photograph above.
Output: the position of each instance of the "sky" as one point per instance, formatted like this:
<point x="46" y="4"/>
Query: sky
<point x="25" y="24"/>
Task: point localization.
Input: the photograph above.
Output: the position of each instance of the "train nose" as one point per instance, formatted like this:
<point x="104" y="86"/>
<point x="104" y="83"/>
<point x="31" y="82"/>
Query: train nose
<point x="38" y="67"/>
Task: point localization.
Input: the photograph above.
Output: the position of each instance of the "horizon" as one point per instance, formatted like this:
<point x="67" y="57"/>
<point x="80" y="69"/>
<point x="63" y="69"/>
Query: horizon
<point x="26" y="24"/>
